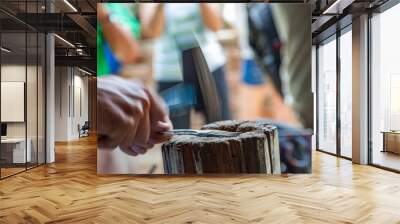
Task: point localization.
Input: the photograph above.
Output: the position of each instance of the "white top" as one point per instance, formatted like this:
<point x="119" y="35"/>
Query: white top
<point x="183" y="29"/>
<point x="236" y="15"/>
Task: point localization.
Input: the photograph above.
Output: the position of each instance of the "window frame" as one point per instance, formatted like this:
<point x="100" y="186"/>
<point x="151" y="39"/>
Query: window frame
<point x="342" y="27"/>
<point x="31" y="30"/>
<point x="378" y="10"/>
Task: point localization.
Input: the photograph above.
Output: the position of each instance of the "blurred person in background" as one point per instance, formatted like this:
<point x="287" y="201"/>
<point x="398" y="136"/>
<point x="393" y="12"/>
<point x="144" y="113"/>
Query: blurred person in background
<point x="117" y="32"/>
<point x="264" y="87"/>
<point x="296" y="58"/>
<point x="181" y="26"/>
<point x="295" y="53"/>
<point x="293" y="22"/>
<point x="236" y="15"/>
<point x="130" y="115"/>
<point x="252" y="80"/>
<point x="261" y="18"/>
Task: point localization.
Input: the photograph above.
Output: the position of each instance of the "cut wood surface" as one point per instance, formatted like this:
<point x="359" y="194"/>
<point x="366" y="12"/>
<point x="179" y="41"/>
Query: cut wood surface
<point x="254" y="150"/>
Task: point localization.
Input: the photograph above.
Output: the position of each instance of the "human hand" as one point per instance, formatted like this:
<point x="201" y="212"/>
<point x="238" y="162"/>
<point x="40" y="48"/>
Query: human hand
<point x="130" y="115"/>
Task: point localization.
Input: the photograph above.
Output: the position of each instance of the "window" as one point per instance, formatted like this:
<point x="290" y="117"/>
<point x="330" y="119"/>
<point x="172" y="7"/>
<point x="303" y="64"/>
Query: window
<point x="15" y="149"/>
<point x="346" y="93"/>
<point x="385" y="88"/>
<point x="327" y="96"/>
<point x="22" y="77"/>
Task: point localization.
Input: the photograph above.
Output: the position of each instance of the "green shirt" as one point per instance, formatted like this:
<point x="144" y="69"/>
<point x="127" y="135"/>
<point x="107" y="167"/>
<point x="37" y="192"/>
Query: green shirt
<point x="121" y="13"/>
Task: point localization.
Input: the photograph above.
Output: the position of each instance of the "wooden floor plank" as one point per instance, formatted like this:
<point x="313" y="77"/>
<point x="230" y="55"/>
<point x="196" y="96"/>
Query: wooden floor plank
<point x="70" y="191"/>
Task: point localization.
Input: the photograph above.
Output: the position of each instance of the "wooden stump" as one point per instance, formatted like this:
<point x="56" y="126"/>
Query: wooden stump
<point x="254" y="150"/>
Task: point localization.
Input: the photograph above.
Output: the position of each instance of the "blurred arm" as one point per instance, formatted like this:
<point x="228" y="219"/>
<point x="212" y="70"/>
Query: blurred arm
<point x="152" y="19"/>
<point x="211" y="18"/>
<point x="119" y="38"/>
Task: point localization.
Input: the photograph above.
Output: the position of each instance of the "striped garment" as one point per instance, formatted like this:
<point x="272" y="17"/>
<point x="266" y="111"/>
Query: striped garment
<point x="184" y="28"/>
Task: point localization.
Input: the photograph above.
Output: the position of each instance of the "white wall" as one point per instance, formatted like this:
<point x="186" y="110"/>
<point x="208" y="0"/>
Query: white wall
<point x="71" y="94"/>
<point x="80" y="110"/>
<point x="61" y="103"/>
<point x="14" y="73"/>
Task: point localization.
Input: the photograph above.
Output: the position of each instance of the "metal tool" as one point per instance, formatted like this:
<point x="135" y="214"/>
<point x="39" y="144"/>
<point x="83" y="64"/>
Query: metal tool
<point x="197" y="73"/>
<point x="179" y="99"/>
<point x="198" y="88"/>
<point x="202" y="133"/>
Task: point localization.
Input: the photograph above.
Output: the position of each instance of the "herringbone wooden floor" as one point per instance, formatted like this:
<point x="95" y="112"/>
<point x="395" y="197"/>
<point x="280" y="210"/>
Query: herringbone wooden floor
<point x="69" y="191"/>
